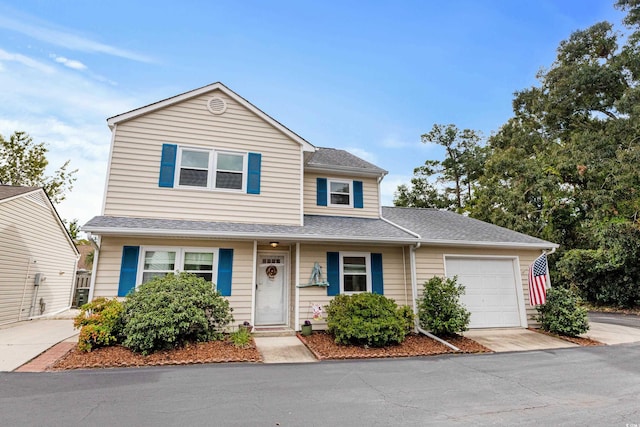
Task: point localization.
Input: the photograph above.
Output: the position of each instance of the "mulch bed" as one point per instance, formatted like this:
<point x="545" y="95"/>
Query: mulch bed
<point x="584" y="342"/>
<point x="120" y="357"/>
<point x="324" y="347"/>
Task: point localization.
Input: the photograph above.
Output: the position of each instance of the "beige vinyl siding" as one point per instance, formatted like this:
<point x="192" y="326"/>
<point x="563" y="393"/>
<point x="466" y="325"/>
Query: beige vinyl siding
<point x="371" y="198"/>
<point x="33" y="241"/>
<point x="110" y="258"/>
<point x="135" y="164"/>
<point x="397" y="280"/>
<point x="430" y="262"/>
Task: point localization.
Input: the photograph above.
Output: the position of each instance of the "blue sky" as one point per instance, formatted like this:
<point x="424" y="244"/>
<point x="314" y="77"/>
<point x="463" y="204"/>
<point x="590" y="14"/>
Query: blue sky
<point x="369" y="77"/>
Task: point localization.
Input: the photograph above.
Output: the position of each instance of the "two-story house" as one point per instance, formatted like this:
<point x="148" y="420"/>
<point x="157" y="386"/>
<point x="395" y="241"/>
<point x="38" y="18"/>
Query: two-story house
<point x="206" y="182"/>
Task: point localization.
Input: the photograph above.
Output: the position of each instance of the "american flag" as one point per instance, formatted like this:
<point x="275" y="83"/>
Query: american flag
<point x="538" y="281"/>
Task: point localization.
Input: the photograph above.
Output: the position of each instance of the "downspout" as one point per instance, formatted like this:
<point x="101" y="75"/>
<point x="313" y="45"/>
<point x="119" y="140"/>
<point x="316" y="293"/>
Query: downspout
<point x="414" y="287"/>
<point x="94" y="267"/>
<point x="296" y="321"/>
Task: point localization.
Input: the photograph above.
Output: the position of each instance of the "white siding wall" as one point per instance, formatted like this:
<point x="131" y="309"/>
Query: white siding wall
<point x="32" y="241"/>
<point x="397" y="280"/>
<point x="108" y="272"/>
<point x="371" y="198"/>
<point x="133" y="179"/>
<point x="430" y="262"/>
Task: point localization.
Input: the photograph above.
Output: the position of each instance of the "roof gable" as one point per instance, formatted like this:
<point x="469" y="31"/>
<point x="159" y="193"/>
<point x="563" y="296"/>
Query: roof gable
<point x="113" y="121"/>
<point x="11" y="191"/>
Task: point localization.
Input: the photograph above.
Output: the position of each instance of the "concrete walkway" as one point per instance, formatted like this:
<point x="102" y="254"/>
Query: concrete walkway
<point x="20" y="342"/>
<point x="283" y="350"/>
<point x="503" y="340"/>
<point x="612" y="334"/>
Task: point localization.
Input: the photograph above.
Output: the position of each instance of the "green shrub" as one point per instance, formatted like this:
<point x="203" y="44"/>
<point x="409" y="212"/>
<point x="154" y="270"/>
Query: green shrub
<point x="440" y="310"/>
<point x="408" y="317"/>
<point x="100" y="323"/>
<point x="169" y="311"/>
<point x="366" y="319"/>
<point x="562" y="313"/>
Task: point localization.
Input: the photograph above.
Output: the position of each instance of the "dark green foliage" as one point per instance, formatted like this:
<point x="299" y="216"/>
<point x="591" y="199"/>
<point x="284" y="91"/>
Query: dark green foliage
<point x="172" y="310"/>
<point x="100" y="323"/>
<point x="610" y="274"/>
<point x="408" y="316"/>
<point x="241" y="337"/>
<point x="440" y="310"/>
<point x="366" y="319"/>
<point x="562" y="313"/>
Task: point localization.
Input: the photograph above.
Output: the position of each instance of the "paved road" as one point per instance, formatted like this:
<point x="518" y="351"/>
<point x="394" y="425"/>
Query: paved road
<point x="630" y="320"/>
<point x="583" y="386"/>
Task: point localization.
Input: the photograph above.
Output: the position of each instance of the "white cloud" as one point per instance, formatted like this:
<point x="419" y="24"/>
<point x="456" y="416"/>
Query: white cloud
<point x="71" y="63"/>
<point x="46" y="32"/>
<point x="67" y="111"/>
<point x="25" y="60"/>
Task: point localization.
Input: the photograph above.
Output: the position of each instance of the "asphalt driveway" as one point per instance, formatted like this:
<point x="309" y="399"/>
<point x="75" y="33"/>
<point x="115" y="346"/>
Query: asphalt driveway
<point x="578" y="386"/>
<point x="629" y="320"/>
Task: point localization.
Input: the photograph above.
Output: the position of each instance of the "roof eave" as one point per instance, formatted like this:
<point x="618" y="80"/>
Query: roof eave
<point x="504" y="245"/>
<point x="153" y="232"/>
<point x="345" y="170"/>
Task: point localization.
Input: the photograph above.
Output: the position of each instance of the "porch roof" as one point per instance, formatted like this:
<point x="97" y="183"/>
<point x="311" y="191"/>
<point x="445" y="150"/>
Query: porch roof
<point x="316" y="228"/>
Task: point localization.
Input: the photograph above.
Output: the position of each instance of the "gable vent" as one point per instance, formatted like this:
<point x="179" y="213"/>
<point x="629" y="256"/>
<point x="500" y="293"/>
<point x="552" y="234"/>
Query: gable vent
<point x="37" y="198"/>
<point x="217" y="105"/>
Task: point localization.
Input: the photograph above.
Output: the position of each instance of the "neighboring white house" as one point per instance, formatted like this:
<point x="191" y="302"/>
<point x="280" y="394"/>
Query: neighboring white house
<point x="37" y="256"/>
<point x="206" y="182"/>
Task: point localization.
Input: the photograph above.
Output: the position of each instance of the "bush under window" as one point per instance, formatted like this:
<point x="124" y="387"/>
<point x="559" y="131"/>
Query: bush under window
<point x="367" y="319"/>
<point x="169" y="311"/>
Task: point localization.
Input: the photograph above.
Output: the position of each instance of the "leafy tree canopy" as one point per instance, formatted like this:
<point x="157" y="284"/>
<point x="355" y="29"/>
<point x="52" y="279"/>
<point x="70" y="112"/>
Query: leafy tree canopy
<point x="23" y="162"/>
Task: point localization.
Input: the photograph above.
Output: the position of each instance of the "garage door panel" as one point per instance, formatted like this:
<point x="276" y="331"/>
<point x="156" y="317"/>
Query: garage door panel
<point x="490" y="290"/>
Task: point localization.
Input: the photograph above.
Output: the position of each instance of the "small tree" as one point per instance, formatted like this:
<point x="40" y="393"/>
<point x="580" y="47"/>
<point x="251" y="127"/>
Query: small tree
<point x="23" y="162"/>
<point x="440" y="310"/>
<point x="170" y="311"/>
<point x="562" y="313"/>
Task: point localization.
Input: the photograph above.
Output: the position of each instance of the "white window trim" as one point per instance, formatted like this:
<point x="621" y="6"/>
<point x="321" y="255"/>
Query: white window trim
<point x="179" y="265"/>
<point x="342" y="181"/>
<point x="367" y="261"/>
<point x="211" y="169"/>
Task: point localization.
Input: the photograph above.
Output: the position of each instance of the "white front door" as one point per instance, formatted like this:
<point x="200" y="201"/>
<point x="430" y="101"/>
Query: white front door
<point x="271" y="289"/>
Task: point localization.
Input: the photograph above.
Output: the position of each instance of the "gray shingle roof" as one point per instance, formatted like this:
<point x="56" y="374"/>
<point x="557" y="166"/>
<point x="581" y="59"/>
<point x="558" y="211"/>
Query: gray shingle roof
<point x="316" y="228"/>
<point x="7" y="191"/>
<point x="335" y="159"/>
<point x="434" y="225"/>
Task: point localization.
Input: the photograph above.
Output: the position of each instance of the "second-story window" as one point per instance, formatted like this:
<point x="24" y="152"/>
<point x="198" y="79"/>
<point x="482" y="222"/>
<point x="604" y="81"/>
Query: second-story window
<point x="194" y="168"/>
<point x="229" y="170"/>
<point x="211" y="169"/>
<point x="340" y="193"/>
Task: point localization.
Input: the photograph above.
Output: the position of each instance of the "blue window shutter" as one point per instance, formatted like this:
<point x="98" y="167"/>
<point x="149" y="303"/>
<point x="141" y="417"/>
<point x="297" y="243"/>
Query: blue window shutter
<point x="253" y="176"/>
<point x="321" y="196"/>
<point x="358" y="201"/>
<point x="128" y="269"/>
<point x="225" y="269"/>
<point x="168" y="165"/>
<point x="333" y="273"/>
<point x="377" y="284"/>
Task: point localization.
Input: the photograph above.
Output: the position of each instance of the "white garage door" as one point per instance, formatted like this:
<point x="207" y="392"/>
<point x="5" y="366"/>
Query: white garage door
<point x="491" y="294"/>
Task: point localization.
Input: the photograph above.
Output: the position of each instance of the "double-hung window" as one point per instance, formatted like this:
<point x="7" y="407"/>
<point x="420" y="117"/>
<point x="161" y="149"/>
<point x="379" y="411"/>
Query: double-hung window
<point x="355" y="268"/>
<point x="157" y="261"/>
<point x="211" y="169"/>
<point x="340" y="193"/>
